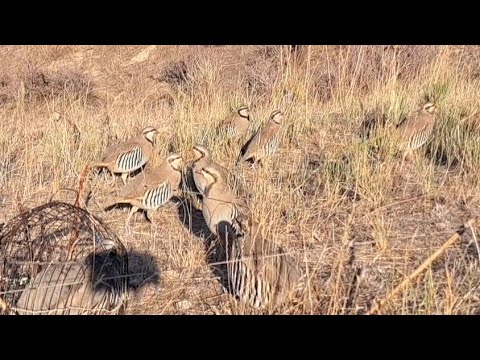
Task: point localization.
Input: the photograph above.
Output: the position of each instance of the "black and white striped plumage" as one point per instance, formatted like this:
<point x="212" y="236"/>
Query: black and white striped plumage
<point x="203" y="159"/>
<point x="266" y="141"/>
<point x="131" y="160"/>
<point x="153" y="188"/>
<point x="417" y="129"/>
<point x="157" y="196"/>
<point x="237" y="124"/>
<point x="231" y="130"/>
<point x="220" y="205"/>
<point x="244" y="281"/>
<point x="95" y="286"/>
<point x="272" y="145"/>
<point x="259" y="273"/>
<point x="129" y="156"/>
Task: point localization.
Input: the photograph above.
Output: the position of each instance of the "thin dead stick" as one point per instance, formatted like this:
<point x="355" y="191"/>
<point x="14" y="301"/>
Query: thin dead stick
<point x="476" y="242"/>
<point x="81" y="185"/>
<point x="75" y="232"/>
<point x="378" y="305"/>
<point x="62" y="189"/>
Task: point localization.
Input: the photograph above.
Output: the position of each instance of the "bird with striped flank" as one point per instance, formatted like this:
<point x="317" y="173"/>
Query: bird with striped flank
<point x="259" y="273"/>
<point x="266" y="141"/>
<point x="416" y="130"/>
<point x="152" y="189"/>
<point x="220" y="206"/>
<point x="129" y="156"/>
<point x="237" y="124"/>
<point x="94" y="286"/>
<point x="203" y="158"/>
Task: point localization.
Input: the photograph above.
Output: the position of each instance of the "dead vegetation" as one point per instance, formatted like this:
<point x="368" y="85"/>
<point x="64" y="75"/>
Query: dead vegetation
<point x="336" y="195"/>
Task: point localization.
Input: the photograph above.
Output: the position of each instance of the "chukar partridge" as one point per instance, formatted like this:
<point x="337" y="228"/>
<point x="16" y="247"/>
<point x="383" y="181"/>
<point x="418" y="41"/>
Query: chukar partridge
<point x="153" y="189"/>
<point x="129" y="156"/>
<point x="202" y="159"/>
<point x="266" y="140"/>
<point x="417" y="129"/>
<point x="259" y="274"/>
<point x="220" y="206"/>
<point x="91" y="287"/>
<point x="237" y="124"/>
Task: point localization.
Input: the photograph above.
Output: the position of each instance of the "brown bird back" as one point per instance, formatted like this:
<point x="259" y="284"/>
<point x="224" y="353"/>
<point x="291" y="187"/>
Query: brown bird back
<point x="417" y="129"/>
<point x="266" y="140"/>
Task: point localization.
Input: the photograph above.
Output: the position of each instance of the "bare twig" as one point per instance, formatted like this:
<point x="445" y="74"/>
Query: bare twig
<point x="81" y="185"/>
<point x="379" y="304"/>
<point x="475" y="241"/>
<point x="59" y="190"/>
<point x="81" y="189"/>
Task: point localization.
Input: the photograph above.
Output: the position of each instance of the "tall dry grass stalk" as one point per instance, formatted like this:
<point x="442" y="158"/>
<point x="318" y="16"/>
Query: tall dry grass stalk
<point x="336" y="195"/>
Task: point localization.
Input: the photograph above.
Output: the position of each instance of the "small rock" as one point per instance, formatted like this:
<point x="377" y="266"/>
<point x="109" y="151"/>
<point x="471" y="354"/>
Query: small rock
<point x="183" y="305"/>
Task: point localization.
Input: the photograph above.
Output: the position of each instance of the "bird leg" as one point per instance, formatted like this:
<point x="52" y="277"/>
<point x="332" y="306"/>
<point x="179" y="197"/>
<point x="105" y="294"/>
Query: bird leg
<point x="149" y="214"/>
<point x="128" y="229"/>
<point x="113" y="179"/>
<point x="257" y="163"/>
<point x="124" y="178"/>
<point x="405" y="158"/>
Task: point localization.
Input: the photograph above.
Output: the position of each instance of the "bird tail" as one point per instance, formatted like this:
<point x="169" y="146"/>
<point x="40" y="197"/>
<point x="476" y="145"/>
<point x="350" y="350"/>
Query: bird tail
<point x="98" y="164"/>
<point x="241" y="158"/>
<point x="112" y="201"/>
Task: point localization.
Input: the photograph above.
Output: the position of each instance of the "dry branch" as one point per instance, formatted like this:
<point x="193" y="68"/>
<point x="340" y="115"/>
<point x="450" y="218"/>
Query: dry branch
<point x="81" y="185"/>
<point x="379" y="304"/>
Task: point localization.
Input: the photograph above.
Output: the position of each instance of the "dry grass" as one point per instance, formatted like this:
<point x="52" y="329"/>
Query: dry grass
<point x="335" y="195"/>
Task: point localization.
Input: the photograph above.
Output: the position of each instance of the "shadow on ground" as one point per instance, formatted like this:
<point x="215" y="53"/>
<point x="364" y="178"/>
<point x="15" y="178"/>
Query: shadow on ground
<point x="193" y="220"/>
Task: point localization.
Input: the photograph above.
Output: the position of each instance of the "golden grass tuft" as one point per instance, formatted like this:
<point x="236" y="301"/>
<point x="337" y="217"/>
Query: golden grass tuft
<point x="336" y="195"/>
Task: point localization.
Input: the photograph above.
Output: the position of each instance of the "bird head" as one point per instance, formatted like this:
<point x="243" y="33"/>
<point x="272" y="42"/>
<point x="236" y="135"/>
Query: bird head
<point x="276" y="117"/>
<point x="244" y="112"/>
<point x="200" y="152"/>
<point x="150" y="133"/>
<point x="175" y="161"/>
<point x="429" y="107"/>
